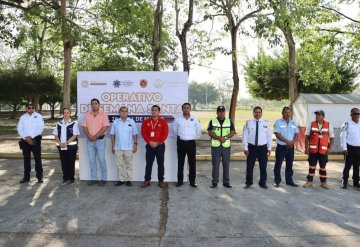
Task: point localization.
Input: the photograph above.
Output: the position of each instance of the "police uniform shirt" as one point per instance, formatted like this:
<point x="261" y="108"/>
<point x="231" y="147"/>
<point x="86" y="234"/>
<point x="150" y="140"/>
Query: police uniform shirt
<point x="331" y="129"/>
<point x="264" y="133"/>
<point x="286" y="129"/>
<point x="187" y="129"/>
<point x="63" y="137"/>
<point x="30" y="125"/>
<point x="350" y="134"/>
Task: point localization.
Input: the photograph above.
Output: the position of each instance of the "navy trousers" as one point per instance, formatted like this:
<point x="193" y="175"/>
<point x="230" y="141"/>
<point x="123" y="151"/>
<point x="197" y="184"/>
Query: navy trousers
<point x="283" y="152"/>
<point x="151" y="153"/>
<point x="259" y="153"/>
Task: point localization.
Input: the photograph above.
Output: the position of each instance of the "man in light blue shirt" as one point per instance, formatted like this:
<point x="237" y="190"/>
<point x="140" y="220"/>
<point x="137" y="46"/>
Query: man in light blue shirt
<point x="286" y="132"/>
<point x="124" y="144"/>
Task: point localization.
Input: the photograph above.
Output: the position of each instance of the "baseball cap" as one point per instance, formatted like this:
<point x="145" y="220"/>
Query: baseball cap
<point x="29" y="104"/>
<point x="220" y="108"/>
<point x="320" y="112"/>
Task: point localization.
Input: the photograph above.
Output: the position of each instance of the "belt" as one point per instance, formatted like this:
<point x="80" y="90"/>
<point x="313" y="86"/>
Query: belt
<point x="351" y="146"/>
<point x="178" y="137"/>
<point x="252" y="145"/>
<point x="101" y="137"/>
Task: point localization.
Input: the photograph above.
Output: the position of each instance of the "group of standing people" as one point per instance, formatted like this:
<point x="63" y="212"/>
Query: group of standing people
<point x="256" y="139"/>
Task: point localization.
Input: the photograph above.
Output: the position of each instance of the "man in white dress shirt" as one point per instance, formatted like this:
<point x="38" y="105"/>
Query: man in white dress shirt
<point x="30" y="129"/>
<point x="257" y="143"/>
<point x="350" y="143"/>
<point x="187" y="128"/>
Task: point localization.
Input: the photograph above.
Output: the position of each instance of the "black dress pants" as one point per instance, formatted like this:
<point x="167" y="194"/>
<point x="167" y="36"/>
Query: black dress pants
<point x="186" y="148"/>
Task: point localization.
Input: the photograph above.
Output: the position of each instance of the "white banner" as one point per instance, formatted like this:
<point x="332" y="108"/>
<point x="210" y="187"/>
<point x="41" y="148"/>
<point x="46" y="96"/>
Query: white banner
<point x="138" y="91"/>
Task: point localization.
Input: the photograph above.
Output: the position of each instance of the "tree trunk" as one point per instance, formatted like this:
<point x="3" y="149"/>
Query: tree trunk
<point x="156" y="39"/>
<point x="182" y="35"/>
<point x="67" y="56"/>
<point x="293" y="92"/>
<point x="235" y="91"/>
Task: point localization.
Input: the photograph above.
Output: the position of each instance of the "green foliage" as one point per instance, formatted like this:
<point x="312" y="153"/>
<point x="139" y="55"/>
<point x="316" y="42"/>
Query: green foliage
<point x="320" y="71"/>
<point x="203" y="93"/>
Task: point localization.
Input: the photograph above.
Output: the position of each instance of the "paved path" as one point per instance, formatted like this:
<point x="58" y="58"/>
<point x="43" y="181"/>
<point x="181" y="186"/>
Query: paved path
<point x="81" y="215"/>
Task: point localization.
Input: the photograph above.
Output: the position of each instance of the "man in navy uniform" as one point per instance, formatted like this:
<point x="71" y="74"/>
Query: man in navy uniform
<point x="30" y="129"/>
<point x="257" y="143"/>
<point x="350" y="143"/>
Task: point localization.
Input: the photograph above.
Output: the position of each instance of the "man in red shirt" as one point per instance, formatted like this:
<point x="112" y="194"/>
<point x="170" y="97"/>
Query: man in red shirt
<point x="154" y="130"/>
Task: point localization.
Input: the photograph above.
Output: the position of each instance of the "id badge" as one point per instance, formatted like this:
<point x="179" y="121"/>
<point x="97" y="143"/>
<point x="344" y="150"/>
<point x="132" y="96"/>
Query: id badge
<point x="152" y="133"/>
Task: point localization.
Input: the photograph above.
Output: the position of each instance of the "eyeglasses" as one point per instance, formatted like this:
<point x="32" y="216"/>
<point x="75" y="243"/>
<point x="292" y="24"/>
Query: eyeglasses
<point x="31" y="108"/>
<point x="356" y="114"/>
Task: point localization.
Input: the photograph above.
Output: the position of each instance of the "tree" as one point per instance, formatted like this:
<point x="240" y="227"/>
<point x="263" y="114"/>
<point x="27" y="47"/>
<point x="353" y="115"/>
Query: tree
<point x="156" y="42"/>
<point x="10" y="83"/>
<point x="203" y="93"/>
<point x="267" y="76"/>
<point x="230" y="9"/>
<point x="224" y="89"/>
<point x="291" y="17"/>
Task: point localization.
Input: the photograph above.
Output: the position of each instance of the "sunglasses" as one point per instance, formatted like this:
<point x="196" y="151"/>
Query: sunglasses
<point x="31" y="108"/>
<point x="355" y="114"/>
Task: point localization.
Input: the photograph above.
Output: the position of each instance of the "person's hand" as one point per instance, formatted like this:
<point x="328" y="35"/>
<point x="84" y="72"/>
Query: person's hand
<point x="134" y="148"/>
<point x="290" y="144"/>
<point x="63" y="145"/>
<point x="306" y="151"/>
<point x="268" y="153"/>
<point x="222" y="139"/>
<point x="91" y="138"/>
<point x="328" y="150"/>
<point x="113" y="150"/>
<point x="153" y="144"/>
<point x="345" y="152"/>
<point x="246" y="152"/>
<point x="29" y="140"/>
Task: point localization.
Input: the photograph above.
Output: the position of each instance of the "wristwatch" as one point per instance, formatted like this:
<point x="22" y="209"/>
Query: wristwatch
<point x="225" y="137"/>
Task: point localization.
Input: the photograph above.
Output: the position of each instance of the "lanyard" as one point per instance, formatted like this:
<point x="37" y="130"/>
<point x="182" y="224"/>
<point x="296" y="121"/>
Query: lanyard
<point x="153" y="126"/>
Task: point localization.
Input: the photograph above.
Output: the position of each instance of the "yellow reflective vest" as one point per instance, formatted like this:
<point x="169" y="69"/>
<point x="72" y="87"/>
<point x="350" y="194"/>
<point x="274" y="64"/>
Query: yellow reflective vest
<point x="217" y="130"/>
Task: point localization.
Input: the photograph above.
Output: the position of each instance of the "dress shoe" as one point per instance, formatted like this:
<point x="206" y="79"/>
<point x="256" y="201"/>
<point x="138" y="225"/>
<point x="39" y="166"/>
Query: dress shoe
<point x="194" y="185"/>
<point x="72" y="181"/>
<point x="276" y="185"/>
<point x="213" y="186"/>
<point x="145" y="184"/>
<point x="292" y="184"/>
<point x="179" y="184"/>
<point x="119" y="183"/>
<point x="102" y="183"/>
<point x="264" y="186"/>
<point x="40" y="181"/>
<point x="65" y="182"/>
<point x="91" y="182"/>
<point x="344" y="186"/>
<point x="324" y="185"/>
<point x="308" y="184"/>
<point x="24" y="181"/>
<point x="162" y="184"/>
<point x="128" y="183"/>
<point x="247" y="186"/>
<point x="356" y="185"/>
<point x="227" y="185"/>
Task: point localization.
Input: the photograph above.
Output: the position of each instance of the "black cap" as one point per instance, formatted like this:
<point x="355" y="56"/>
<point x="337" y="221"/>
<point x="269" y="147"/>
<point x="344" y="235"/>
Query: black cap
<point x="29" y="104"/>
<point x="220" y="108"/>
<point x="320" y="112"/>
